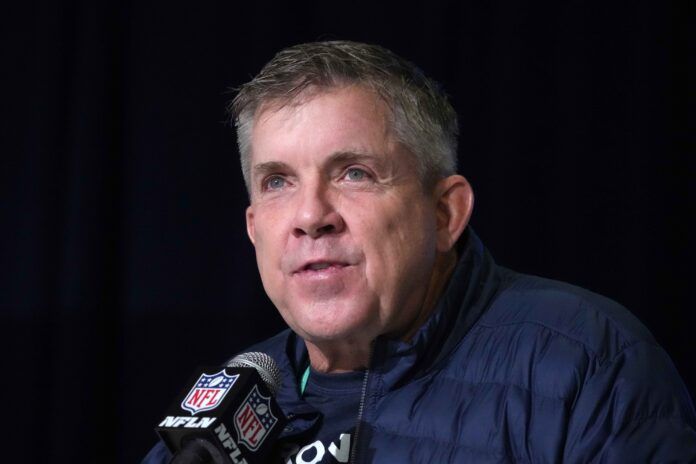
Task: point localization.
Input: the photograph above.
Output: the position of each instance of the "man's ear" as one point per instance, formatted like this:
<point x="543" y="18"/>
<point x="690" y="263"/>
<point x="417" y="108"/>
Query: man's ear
<point x="454" y="203"/>
<point x="250" y="224"/>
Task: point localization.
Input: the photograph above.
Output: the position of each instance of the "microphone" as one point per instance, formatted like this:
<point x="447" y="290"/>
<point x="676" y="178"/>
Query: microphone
<point x="226" y="415"/>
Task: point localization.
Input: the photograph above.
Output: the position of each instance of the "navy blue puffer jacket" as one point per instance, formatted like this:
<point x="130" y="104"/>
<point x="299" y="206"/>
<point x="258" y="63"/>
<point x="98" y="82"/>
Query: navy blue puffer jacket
<point x="510" y="368"/>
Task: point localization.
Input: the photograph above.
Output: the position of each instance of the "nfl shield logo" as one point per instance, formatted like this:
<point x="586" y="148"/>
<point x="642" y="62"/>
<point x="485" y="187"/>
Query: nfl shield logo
<point x="208" y="392"/>
<point x="254" y="419"/>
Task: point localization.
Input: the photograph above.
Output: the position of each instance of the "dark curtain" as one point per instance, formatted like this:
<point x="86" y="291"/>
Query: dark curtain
<point x="125" y="262"/>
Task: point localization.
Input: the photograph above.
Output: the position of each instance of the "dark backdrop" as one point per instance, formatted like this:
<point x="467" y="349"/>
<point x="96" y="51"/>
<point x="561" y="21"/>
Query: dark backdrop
<point x="124" y="257"/>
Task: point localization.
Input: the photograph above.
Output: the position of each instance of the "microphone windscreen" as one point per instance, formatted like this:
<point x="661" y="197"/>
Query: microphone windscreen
<point x="264" y="365"/>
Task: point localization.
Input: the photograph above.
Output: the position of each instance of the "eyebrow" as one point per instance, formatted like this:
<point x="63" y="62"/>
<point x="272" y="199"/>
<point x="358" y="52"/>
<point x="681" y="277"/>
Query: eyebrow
<point x="339" y="157"/>
<point x="263" y="169"/>
<point x="352" y="156"/>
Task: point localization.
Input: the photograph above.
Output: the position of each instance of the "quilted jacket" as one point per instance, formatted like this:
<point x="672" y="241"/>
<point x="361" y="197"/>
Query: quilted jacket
<point x="509" y="368"/>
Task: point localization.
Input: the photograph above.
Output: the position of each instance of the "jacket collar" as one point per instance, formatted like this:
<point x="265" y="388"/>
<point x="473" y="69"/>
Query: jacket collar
<point x="470" y="289"/>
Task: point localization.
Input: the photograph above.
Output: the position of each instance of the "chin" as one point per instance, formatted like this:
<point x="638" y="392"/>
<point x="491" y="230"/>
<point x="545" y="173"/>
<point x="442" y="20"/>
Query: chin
<point x="335" y="332"/>
<point x="332" y="320"/>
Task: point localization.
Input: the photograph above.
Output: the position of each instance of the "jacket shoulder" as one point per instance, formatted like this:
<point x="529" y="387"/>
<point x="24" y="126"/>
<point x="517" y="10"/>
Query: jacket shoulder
<point x="586" y="370"/>
<point x="600" y="325"/>
<point x="547" y="338"/>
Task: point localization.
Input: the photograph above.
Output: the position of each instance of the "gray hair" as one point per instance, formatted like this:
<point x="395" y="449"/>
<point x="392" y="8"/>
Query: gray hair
<point x="421" y="116"/>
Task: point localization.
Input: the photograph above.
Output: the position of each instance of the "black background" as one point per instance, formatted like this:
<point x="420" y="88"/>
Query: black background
<point x="125" y="262"/>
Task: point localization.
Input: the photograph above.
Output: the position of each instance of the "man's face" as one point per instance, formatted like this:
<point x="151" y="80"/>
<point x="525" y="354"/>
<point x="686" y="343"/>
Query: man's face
<point x="344" y="233"/>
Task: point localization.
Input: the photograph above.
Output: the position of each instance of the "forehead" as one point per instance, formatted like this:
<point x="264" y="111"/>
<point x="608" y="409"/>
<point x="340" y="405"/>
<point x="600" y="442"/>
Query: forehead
<point x="338" y="119"/>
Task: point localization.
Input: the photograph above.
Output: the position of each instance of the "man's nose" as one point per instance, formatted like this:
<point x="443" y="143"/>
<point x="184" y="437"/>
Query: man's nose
<point x="316" y="214"/>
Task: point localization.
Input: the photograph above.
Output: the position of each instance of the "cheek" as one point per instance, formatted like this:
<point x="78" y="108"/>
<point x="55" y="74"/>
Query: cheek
<point x="268" y="247"/>
<point x="269" y="227"/>
<point x="397" y="245"/>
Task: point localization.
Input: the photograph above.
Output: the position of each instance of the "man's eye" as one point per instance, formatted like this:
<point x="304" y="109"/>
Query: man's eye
<point x="274" y="183"/>
<point x="356" y="175"/>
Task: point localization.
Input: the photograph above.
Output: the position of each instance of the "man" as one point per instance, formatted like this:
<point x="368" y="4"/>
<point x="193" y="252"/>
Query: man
<point x="407" y="342"/>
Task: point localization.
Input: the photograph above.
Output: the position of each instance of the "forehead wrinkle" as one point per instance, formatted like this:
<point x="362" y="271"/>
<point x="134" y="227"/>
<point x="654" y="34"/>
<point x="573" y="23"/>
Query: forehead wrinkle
<point x="294" y="104"/>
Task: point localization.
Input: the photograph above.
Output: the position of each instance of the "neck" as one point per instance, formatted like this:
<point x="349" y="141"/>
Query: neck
<point x="442" y="270"/>
<point x="338" y="357"/>
<point x="353" y="355"/>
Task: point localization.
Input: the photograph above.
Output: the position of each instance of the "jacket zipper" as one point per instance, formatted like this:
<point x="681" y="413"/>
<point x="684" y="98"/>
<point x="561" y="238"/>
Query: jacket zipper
<point x="361" y="408"/>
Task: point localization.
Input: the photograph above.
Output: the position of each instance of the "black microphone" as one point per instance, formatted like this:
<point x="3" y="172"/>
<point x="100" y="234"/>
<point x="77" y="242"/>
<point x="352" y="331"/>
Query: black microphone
<point x="227" y="415"/>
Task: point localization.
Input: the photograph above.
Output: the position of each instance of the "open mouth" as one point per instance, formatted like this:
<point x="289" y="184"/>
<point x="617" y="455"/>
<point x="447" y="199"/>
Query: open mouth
<point x="322" y="266"/>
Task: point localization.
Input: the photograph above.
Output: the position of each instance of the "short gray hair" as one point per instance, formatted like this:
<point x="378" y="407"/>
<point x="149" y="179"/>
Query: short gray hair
<point x="421" y="116"/>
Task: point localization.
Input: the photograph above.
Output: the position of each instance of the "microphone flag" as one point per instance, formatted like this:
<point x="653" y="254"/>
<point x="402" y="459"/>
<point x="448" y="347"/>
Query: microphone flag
<point x="231" y="409"/>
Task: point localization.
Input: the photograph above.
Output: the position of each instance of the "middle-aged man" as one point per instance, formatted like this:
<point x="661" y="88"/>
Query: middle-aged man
<point x="407" y="342"/>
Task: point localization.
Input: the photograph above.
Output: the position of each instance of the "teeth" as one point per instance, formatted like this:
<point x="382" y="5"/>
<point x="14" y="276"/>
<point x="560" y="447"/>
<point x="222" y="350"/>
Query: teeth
<point x="318" y="266"/>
